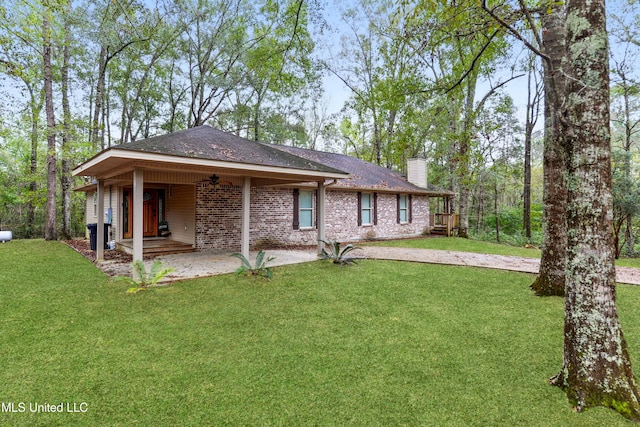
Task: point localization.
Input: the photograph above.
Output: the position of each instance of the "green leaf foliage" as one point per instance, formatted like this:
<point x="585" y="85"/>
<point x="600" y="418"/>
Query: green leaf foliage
<point x="333" y="252"/>
<point x="260" y="267"/>
<point x="143" y="280"/>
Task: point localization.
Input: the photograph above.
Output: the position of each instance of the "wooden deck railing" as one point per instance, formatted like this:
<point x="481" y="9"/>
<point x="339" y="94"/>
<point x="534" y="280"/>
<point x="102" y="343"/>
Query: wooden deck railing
<point x="444" y="223"/>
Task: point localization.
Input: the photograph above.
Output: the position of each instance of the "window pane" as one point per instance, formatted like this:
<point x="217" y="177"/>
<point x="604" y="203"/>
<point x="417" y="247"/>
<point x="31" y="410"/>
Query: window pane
<point x="366" y="201"/>
<point x="403" y="215"/>
<point x="366" y="216"/>
<point x="403" y="201"/>
<point x="306" y="199"/>
<point x="306" y="218"/>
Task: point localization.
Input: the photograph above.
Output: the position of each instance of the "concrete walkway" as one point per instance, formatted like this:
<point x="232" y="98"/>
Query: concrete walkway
<point x="500" y="262"/>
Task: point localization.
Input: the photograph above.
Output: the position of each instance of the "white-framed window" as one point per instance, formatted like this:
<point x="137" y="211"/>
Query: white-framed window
<point x="403" y="208"/>
<point x="366" y="209"/>
<point x="306" y="209"/>
<point x="95" y="204"/>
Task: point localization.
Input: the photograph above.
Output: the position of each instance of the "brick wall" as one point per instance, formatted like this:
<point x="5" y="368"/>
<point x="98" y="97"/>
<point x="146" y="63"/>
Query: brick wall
<point x="342" y="217"/>
<point x="218" y="218"/>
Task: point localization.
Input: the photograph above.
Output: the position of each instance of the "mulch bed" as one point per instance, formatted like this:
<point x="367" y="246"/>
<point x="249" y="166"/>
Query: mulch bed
<point x="83" y="248"/>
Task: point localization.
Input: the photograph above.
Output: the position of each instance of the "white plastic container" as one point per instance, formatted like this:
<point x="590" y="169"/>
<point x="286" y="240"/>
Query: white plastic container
<point x="5" y="236"/>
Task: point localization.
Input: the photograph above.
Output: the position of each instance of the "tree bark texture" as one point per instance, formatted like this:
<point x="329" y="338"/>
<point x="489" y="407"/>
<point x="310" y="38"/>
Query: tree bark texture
<point x="65" y="177"/>
<point x="50" y="211"/>
<point x="628" y="141"/>
<point x="464" y="154"/>
<point x="533" y="107"/>
<point x="596" y="367"/>
<point x="36" y="109"/>
<point x="95" y="122"/>
<point x="551" y="278"/>
<point x="526" y="209"/>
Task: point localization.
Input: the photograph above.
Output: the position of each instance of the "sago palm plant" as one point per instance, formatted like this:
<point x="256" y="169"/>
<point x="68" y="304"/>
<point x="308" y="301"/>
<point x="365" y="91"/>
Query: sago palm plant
<point x="337" y="255"/>
<point x="259" y="269"/>
<point x="145" y="280"/>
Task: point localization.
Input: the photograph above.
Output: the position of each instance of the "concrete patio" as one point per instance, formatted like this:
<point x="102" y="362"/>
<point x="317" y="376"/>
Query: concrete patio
<point x="203" y="264"/>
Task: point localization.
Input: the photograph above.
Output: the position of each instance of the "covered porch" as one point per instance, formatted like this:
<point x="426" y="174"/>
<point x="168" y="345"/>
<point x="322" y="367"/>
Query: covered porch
<point x="136" y="234"/>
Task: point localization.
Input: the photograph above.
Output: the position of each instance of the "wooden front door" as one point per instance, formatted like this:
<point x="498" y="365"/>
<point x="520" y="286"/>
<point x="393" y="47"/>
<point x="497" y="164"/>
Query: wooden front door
<point x="127" y="213"/>
<point x="149" y="213"/>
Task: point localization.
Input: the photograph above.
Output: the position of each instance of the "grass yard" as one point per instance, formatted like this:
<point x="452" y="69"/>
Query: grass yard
<point x="628" y="262"/>
<point x="379" y="343"/>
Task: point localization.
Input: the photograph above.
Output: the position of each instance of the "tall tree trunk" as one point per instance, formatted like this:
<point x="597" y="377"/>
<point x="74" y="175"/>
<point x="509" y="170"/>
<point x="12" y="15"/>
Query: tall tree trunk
<point x="630" y="241"/>
<point x="596" y="366"/>
<point x="551" y="278"/>
<point x="496" y="212"/>
<point x="526" y="209"/>
<point x="629" y="236"/>
<point x="36" y="109"/>
<point x="50" y="211"/>
<point x="95" y="123"/>
<point x="533" y="102"/>
<point x="463" y="155"/>
<point x="65" y="178"/>
<point x="256" y="117"/>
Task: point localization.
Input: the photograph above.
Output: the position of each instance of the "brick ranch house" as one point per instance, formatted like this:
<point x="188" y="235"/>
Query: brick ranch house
<point x="215" y="190"/>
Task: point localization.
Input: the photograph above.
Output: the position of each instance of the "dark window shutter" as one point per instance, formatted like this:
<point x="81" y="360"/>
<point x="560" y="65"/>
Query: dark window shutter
<point x="315" y="207"/>
<point x="410" y="208"/>
<point x="398" y="209"/>
<point x="296" y="209"/>
<point x="375" y="208"/>
<point x="359" y="208"/>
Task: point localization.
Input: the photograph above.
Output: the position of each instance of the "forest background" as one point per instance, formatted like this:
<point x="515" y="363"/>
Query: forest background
<point x="381" y="80"/>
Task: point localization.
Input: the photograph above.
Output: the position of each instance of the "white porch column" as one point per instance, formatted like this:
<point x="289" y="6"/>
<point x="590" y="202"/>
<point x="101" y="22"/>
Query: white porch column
<point x="321" y="216"/>
<point x="246" y="216"/>
<point x="138" y="193"/>
<point x="100" y="227"/>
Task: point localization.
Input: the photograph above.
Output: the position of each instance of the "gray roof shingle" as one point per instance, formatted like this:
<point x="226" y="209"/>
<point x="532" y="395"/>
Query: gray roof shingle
<point x="205" y="142"/>
<point x="362" y="174"/>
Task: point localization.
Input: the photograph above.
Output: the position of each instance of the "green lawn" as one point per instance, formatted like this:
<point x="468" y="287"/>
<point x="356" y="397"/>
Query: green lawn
<point x="379" y="343"/>
<point x="628" y="262"/>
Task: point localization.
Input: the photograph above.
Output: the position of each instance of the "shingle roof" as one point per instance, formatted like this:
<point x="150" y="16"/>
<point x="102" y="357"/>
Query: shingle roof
<point x="362" y="174"/>
<point x="205" y="142"/>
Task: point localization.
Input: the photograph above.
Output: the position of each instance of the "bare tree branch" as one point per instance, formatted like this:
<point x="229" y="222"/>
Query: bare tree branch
<point x="494" y="89"/>
<point x="515" y="33"/>
<point x="473" y="63"/>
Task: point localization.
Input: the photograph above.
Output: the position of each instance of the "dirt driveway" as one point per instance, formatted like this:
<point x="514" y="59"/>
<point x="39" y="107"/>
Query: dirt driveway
<point x="501" y="262"/>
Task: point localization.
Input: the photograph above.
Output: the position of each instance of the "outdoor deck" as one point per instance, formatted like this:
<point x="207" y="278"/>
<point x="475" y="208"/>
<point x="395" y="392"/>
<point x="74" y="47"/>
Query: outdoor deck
<point x="444" y="224"/>
<point x="156" y="246"/>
